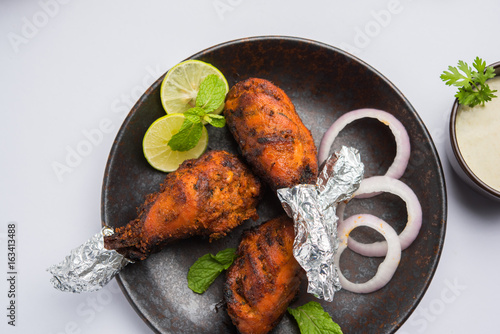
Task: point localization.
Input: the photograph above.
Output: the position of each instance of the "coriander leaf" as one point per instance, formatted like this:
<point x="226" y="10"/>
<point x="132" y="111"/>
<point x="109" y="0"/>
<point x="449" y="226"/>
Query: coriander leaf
<point x="312" y="319"/>
<point x="207" y="268"/>
<point x="466" y="97"/>
<point x="217" y="121"/>
<point x="472" y="86"/>
<point x="486" y="94"/>
<point x="211" y="94"/>
<point x="479" y="65"/>
<point x="453" y="77"/>
<point x="484" y="75"/>
<point x="489" y="72"/>
<point x="468" y="72"/>
<point x="187" y="137"/>
<point x="472" y="97"/>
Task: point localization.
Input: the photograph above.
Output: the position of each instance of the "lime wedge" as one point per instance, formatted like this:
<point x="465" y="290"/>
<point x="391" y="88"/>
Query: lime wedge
<point x="155" y="144"/>
<point x="181" y="84"/>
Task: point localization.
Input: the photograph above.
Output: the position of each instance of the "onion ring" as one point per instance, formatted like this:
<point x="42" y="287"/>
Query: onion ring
<point x="386" y="269"/>
<point x="403" y="148"/>
<point x="409" y="234"/>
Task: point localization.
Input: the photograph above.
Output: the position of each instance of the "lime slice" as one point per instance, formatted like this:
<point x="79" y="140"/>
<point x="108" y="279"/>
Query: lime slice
<point x="155" y="144"/>
<point x="181" y="84"/>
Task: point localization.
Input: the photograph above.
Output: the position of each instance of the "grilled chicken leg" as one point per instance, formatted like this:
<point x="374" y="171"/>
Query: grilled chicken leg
<point x="264" y="278"/>
<point x="208" y="196"/>
<point x="270" y="134"/>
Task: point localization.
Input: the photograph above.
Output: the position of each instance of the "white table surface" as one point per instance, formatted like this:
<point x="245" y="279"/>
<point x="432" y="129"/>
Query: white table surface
<point x="66" y="66"/>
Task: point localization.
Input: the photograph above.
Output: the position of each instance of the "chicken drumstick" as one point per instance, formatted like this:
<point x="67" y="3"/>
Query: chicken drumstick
<point x="264" y="278"/>
<point x="270" y="134"/>
<point x="208" y="196"/>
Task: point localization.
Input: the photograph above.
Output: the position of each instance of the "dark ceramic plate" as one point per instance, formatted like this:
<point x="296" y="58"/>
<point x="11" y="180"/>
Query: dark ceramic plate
<point x="323" y="82"/>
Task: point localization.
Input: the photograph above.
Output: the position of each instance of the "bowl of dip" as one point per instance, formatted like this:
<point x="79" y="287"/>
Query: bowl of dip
<point x="474" y="145"/>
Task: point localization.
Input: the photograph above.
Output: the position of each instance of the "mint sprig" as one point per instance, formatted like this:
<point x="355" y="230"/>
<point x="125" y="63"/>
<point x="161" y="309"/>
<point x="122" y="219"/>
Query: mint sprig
<point x="473" y="89"/>
<point x="207" y="268"/>
<point x="210" y="96"/>
<point x="312" y="319"/>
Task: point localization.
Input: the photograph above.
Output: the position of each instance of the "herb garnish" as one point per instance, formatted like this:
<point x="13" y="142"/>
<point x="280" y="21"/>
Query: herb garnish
<point x="473" y="89"/>
<point x="312" y="319"/>
<point x="208" y="267"/>
<point x="210" y="96"/>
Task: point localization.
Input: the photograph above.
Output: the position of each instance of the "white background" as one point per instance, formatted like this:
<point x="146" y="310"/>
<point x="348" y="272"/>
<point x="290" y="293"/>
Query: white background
<point x="66" y="66"/>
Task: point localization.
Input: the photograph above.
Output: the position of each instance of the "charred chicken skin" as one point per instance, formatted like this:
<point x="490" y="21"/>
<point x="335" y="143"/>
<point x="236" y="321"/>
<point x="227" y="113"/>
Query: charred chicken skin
<point x="207" y="196"/>
<point x="264" y="278"/>
<point x="270" y="134"/>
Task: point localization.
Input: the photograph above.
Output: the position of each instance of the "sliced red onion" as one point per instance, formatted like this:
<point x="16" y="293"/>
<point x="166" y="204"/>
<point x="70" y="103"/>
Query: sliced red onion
<point x="377" y="184"/>
<point x="386" y="269"/>
<point x="398" y="167"/>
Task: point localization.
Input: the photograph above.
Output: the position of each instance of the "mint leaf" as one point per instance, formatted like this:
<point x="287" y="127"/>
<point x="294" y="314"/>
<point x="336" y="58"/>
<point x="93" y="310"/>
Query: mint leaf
<point x="226" y="257"/>
<point x="196" y="111"/>
<point x="217" y="121"/>
<point x="188" y="136"/>
<point x="211" y="94"/>
<point x="207" y="268"/>
<point x="312" y="319"/>
<point x="203" y="273"/>
<point x="195" y="114"/>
